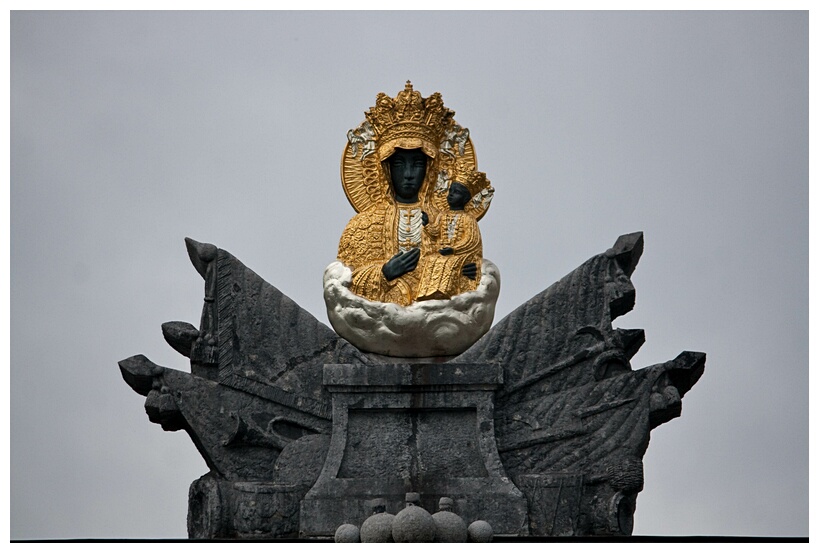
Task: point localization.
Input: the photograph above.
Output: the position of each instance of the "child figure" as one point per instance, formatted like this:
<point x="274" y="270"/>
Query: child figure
<point x="452" y="248"/>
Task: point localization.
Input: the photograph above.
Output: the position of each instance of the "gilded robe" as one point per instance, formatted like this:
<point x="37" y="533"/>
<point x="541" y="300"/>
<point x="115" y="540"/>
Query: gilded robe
<point x="372" y="238"/>
<point x="441" y="276"/>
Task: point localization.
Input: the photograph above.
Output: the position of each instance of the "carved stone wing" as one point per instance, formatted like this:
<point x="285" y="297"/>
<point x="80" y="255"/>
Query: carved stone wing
<point x="568" y="322"/>
<point x="256" y="355"/>
<point x="260" y="340"/>
<point x="573" y="419"/>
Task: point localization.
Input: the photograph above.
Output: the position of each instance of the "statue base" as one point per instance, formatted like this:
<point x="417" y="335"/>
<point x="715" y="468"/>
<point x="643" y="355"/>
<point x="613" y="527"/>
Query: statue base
<point x="222" y="509"/>
<point x="425" y="428"/>
<point x="539" y="428"/>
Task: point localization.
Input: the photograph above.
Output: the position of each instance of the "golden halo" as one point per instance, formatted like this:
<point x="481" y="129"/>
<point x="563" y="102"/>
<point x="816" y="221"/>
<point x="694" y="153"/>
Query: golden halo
<point x="365" y="183"/>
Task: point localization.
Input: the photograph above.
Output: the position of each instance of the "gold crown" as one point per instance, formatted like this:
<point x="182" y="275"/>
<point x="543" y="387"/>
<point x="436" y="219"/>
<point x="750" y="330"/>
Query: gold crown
<point x="408" y="121"/>
<point x="471" y="178"/>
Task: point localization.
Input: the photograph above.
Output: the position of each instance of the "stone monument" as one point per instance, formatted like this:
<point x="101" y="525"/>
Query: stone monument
<point x="414" y="405"/>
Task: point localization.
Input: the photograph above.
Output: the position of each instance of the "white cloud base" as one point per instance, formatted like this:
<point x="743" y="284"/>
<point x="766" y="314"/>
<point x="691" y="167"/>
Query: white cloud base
<point x="430" y="328"/>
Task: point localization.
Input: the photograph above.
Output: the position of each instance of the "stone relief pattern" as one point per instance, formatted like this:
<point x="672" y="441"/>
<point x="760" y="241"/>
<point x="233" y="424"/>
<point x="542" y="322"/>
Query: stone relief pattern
<point x="270" y="346"/>
<point x="553" y="333"/>
<point x="571" y="421"/>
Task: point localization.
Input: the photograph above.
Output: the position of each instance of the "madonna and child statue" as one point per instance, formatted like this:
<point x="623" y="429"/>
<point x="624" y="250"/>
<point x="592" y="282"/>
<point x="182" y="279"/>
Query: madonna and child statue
<point x="410" y="172"/>
<point x="413" y="419"/>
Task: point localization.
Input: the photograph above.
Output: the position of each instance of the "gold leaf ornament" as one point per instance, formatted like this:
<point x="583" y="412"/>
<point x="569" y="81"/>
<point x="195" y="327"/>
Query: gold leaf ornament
<point x="407" y="121"/>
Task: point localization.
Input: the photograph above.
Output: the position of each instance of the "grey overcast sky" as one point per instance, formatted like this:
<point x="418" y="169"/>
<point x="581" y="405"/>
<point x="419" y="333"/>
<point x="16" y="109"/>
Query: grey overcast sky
<point x="133" y="130"/>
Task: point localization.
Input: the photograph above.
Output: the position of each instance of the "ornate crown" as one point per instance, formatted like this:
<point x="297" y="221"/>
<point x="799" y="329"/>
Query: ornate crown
<point x="471" y="178"/>
<point x="409" y="121"/>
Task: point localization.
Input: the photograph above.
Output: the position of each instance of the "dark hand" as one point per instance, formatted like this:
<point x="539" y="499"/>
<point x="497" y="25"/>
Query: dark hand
<point x="446" y="251"/>
<point x="401" y="264"/>
<point x="470" y="271"/>
<point x="424" y="218"/>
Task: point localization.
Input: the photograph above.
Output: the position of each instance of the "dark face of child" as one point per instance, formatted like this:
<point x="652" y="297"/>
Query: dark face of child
<point x="458" y="196"/>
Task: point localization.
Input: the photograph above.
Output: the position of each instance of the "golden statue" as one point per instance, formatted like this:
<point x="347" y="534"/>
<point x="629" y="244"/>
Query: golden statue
<point x="398" y="168"/>
<point x="453" y="242"/>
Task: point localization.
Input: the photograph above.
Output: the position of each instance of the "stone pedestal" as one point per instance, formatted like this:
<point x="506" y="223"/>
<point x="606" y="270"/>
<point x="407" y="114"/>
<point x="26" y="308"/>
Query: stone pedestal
<point x="426" y="428"/>
<point x="302" y="432"/>
<point x="222" y="509"/>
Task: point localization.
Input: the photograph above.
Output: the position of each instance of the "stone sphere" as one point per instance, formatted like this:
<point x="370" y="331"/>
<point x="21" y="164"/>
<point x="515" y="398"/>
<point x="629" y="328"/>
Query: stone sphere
<point x="413" y="525"/>
<point x="480" y="531"/>
<point x="347" y="533"/>
<point x="377" y="528"/>
<point x="450" y="528"/>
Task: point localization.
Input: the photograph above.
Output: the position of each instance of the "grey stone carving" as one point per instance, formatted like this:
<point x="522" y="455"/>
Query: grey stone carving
<point x="450" y="528"/>
<point x="480" y="531"/>
<point x="427" y="427"/>
<point x="413" y="523"/>
<point x="347" y="533"/>
<point x="378" y="528"/>
<point x="538" y="429"/>
<point x="573" y="418"/>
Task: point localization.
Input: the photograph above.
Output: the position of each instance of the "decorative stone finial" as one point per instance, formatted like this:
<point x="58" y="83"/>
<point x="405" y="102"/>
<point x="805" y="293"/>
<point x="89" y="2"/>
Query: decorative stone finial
<point x="450" y="528"/>
<point x="378" y="527"/>
<point x="480" y="531"/>
<point x="347" y="533"/>
<point x="413" y="524"/>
